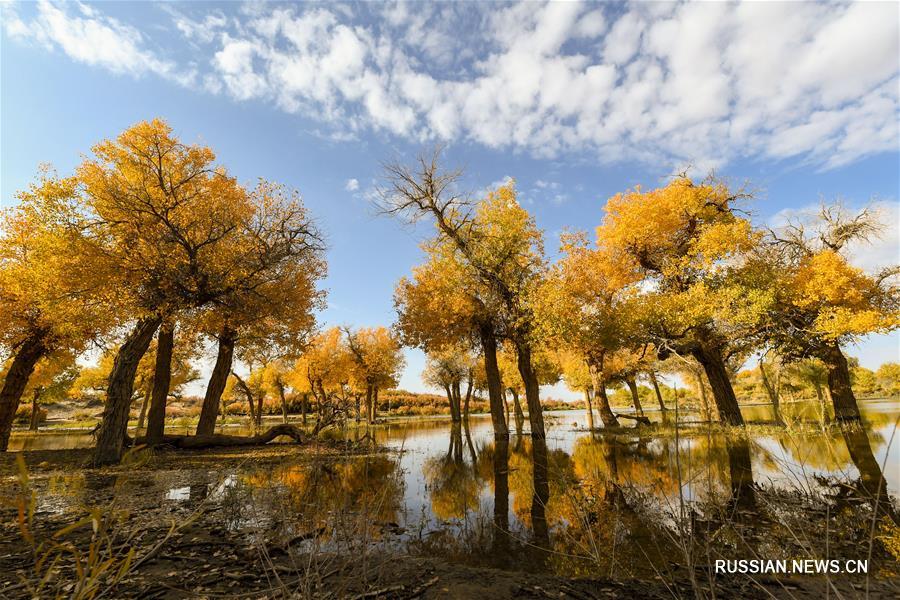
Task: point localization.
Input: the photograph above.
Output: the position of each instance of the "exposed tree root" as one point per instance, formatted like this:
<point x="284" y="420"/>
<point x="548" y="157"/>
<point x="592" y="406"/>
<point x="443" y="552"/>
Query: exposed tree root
<point x="216" y="440"/>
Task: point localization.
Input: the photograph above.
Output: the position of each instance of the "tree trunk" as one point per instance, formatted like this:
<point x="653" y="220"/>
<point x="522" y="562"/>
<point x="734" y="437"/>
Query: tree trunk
<point x="821" y="398"/>
<point x="370" y="414"/>
<point x="599" y="382"/>
<point x="494" y="385"/>
<point x="259" y="407"/>
<point x="532" y="390"/>
<point x="284" y="410"/>
<point x="453" y="417"/>
<point x="467" y="398"/>
<point x="35" y="408"/>
<point x="145" y="404"/>
<point x="162" y="378"/>
<point x="456" y="413"/>
<point x="114" y="425"/>
<point x="590" y="408"/>
<point x="771" y="392"/>
<point x="517" y="410"/>
<point x="723" y="394"/>
<point x="659" y="398"/>
<point x="635" y="397"/>
<point x="842" y="398"/>
<point x="248" y="394"/>
<point x="455" y="453"/>
<point x="217" y="381"/>
<point x="374" y="403"/>
<point x="704" y="401"/>
<point x="506" y="409"/>
<point x="218" y="439"/>
<point x="320" y="405"/>
<point x="305" y="398"/>
<point x="31" y="351"/>
<point x="470" y="445"/>
<point x="251" y="408"/>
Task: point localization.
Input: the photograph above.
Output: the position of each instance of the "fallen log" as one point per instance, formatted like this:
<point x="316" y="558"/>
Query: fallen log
<point x="218" y="440"/>
<point x="640" y="419"/>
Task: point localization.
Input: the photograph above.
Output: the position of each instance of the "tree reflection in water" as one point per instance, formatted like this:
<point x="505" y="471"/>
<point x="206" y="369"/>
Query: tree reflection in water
<point x="357" y="498"/>
<point x="872" y="485"/>
<point x="610" y="507"/>
<point x="740" y="471"/>
<point x="500" y="463"/>
<point x="453" y="484"/>
<point x="601" y="504"/>
<point x="541" y="494"/>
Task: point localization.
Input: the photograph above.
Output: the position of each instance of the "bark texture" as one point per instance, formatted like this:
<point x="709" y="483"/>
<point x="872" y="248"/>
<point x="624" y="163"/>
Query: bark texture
<point x="162" y="379"/>
<point x="468" y="397"/>
<point x="35" y="409"/>
<point x="599" y="383"/>
<point x="723" y="393"/>
<point x="772" y="391"/>
<point x="114" y="425"/>
<point x="219" y="439"/>
<point x="842" y="398"/>
<point x="17" y="377"/>
<point x="588" y="402"/>
<point x="517" y="410"/>
<point x="532" y="390"/>
<point x="635" y="397"/>
<point x="495" y="387"/>
<point x="212" y="400"/>
<point x="659" y="398"/>
<point x="145" y="404"/>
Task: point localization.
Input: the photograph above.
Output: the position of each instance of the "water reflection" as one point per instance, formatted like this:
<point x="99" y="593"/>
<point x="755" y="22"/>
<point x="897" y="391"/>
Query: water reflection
<point x="740" y="471"/>
<point x="499" y="455"/>
<point x="541" y="495"/>
<point x="578" y="503"/>
<point x="454" y="486"/>
<point x="872" y="486"/>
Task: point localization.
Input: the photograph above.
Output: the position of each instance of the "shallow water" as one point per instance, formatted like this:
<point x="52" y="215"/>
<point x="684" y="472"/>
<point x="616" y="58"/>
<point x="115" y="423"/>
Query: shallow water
<point x="585" y="504"/>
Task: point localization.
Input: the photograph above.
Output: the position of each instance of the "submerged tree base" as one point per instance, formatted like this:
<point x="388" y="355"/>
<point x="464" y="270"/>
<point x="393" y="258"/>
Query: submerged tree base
<point x="219" y="440"/>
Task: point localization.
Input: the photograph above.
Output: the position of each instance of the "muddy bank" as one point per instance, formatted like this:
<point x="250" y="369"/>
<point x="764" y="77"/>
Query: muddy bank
<point x="207" y="561"/>
<point x="203" y="561"/>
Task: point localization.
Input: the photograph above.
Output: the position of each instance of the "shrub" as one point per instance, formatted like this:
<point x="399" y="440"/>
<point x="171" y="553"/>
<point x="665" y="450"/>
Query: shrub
<point x="236" y="408"/>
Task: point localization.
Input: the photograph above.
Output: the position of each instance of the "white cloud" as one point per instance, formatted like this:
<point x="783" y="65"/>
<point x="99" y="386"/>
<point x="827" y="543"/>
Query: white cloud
<point x="704" y="83"/>
<point x="352" y="185"/>
<point x="624" y="39"/>
<point x="204" y="30"/>
<point x="234" y="63"/>
<point x="93" y="39"/>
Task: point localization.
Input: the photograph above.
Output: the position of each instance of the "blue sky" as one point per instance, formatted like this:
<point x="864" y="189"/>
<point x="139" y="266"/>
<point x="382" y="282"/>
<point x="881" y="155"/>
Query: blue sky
<point x="575" y="101"/>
